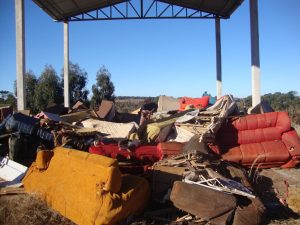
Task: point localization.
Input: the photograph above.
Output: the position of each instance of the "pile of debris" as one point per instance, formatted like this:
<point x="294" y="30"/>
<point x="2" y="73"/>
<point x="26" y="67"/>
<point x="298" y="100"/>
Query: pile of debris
<point x="188" y="160"/>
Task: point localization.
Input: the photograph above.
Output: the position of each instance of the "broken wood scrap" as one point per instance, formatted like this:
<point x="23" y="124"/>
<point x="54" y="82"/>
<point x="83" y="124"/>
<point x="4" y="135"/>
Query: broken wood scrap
<point x="69" y="125"/>
<point x="184" y="218"/>
<point x="12" y="190"/>
<point x="191" y="219"/>
<point x="191" y="125"/>
<point x="81" y="132"/>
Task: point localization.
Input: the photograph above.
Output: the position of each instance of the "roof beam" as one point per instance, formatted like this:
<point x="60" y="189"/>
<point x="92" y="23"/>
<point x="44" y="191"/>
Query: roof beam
<point x="71" y="10"/>
<point x="155" y="9"/>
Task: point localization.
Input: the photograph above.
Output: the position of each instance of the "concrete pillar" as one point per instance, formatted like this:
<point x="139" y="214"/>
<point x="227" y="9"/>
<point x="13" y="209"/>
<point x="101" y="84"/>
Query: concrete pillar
<point x="66" y="65"/>
<point x="218" y="58"/>
<point x="255" y="64"/>
<point x="20" y="53"/>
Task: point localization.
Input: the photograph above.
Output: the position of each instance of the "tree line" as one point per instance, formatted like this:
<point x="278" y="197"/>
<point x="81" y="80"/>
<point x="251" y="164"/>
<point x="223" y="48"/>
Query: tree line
<point x="49" y="88"/>
<point x="289" y="102"/>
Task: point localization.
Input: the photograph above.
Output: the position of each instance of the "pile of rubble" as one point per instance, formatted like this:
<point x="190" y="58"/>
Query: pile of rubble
<point x="188" y="160"/>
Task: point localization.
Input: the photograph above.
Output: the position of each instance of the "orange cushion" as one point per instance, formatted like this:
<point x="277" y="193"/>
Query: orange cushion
<point x="196" y="102"/>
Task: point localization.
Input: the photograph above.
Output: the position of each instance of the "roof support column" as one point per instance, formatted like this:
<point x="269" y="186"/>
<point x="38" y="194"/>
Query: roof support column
<point x="218" y="58"/>
<point x="255" y="64"/>
<point x="20" y="53"/>
<point x="66" y="65"/>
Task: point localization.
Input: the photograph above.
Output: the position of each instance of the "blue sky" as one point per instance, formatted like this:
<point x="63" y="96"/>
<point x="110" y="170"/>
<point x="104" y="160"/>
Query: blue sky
<point x="154" y="57"/>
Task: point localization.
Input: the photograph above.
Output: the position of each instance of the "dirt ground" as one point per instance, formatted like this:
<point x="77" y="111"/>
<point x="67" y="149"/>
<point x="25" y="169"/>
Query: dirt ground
<point x="276" y="188"/>
<point x="25" y="209"/>
<point x="285" y="222"/>
<point x="272" y="185"/>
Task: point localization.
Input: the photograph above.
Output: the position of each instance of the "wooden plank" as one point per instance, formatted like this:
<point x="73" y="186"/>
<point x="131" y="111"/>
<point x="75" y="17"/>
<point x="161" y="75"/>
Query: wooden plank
<point x="12" y="190"/>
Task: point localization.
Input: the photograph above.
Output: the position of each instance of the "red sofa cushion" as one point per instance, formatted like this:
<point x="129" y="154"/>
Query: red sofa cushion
<point x="145" y="153"/>
<point x="253" y="129"/>
<point x="196" y="102"/>
<point x="168" y="149"/>
<point x="247" y="154"/>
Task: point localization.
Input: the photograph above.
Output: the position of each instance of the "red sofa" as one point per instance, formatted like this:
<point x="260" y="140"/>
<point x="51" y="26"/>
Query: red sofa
<point x="262" y="140"/>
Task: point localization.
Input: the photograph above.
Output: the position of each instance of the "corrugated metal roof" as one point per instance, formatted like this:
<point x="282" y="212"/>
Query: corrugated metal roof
<point x="63" y="9"/>
<point x="222" y="8"/>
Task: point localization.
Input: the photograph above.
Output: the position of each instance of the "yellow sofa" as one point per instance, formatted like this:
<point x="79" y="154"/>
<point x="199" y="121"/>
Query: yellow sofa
<point x="86" y="188"/>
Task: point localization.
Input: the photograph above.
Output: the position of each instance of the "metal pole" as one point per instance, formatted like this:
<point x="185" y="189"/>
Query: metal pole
<point x="66" y="65"/>
<point x="142" y="8"/>
<point x="20" y="53"/>
<point x="218" y="57"/>
<point x="255" y="64"/>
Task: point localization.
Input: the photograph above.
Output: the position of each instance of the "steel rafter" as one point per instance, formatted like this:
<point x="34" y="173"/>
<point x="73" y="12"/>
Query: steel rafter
<point x="143" y="9"/>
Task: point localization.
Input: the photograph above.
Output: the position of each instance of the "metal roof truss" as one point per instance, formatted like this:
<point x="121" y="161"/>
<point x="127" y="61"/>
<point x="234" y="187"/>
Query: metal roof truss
<point x="143" y="9"/>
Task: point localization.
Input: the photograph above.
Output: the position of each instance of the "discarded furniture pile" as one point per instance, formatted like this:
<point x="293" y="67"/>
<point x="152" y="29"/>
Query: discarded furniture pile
<point x="207" y="189"/>
<point x="183" y="160"/>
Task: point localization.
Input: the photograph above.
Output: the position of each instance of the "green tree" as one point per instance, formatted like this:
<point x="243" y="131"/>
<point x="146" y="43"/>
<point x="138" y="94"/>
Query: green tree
<point x="7" y="98"/>
<point x="104" y="88"/>
<point x="77" y="83"/>
<point x="30" y="86"/>
<point x="30" y="82"/>
<point x="48" y="89"/>
<point x="289" y="102"/>
<point x="3" y="95"/>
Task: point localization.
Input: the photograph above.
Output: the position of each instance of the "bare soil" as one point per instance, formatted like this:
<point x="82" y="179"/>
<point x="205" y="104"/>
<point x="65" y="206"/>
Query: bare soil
<point x="274" y="186"/>
<point x="270" y="184"/>
<point x="25" y="209"/>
